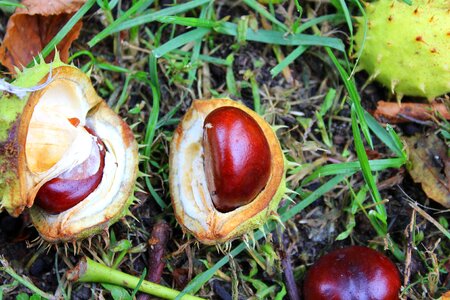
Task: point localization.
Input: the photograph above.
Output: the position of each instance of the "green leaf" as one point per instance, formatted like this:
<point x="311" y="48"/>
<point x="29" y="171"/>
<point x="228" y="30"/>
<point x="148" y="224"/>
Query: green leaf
<point x="327" y="102"/>
<point x="348" y="228"/>
<point x="120" y="246"/>
<point x="117" y="292"/>
<point x="280" y="295"/>
<point x="22" y="296"/>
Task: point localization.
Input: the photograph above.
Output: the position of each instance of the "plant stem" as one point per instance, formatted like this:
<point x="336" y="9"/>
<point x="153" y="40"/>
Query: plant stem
<point x="88" y="270"/>
<point x="10" y="271"/>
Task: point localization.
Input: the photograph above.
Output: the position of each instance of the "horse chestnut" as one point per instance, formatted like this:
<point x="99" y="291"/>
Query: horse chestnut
<point x="63" y="149"/>
<point x="237" y="158"/>
<point x="352" y="273"/>
<point x="227" y="173"/>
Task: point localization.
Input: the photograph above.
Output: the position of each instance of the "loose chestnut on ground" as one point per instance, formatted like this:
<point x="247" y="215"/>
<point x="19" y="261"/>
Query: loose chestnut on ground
<point x="65" y="154"/>
<point x="227" y="171"/>
<point x="352" y="273"/>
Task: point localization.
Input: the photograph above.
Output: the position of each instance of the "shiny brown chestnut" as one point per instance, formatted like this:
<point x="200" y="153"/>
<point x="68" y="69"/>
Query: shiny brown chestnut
<point x="237" y="158"/>
<point x="352" y="273"/>
<point x="74" y="185"/>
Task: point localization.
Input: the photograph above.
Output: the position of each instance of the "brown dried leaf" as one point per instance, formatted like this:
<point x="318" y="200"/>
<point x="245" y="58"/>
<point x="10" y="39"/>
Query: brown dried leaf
<point x="430" y="166"/>
<point x="390" y="112"/>
<point x="30" y="29"/>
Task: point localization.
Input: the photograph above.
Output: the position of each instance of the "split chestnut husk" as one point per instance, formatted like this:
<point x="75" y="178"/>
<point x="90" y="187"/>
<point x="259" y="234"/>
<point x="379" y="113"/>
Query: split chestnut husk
<point x="227" y="172"/>
<point x="65" y="154"/>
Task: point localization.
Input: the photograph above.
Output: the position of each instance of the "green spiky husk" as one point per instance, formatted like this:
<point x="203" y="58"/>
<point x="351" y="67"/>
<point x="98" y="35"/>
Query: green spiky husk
<point x="12" y="107"/>
<point x="38" y="218"/>
<point x="407" y="48"/>
<point x="262" y="217"/>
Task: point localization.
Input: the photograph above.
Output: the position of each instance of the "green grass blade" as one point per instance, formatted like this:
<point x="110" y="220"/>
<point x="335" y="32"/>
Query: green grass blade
<point x="180" y="40"/>
<point x="230" y="79"/>
<point x="197" y="48"/>
<point x="153" y="15"/>
<point x="365" y="167"/>
<point x="111" y="67"/>
<point x="288" y="60"/>
<point x="11" y="4"/>
<point x="206" y="58"/>
<point x="126" y="15"/>
<point x="255" y="94"/>
<point x="397" y="141"/>
<point x="327" y="102"/>
<point x="263" y="12"/>
<point x="151" y="126"/>
<point x="280" y="38"/>
<point x="316" y="194"/>
<point x="153" y="119"/>
<point x="383" y="135"/>
<point x="318" y="20"/>
<point x="347" y="16"/>
<point x="354" y="97"/>
<point x="301" y="49"/>
<point x="364" y="28"/>
<point x="352" y="167"/>
<point x="188" y="21"/>
<point x="123" y="95"/>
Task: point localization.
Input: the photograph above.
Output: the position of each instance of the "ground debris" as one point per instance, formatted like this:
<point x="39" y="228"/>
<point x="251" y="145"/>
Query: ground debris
<point x="31" y="28"/>
<point x="430" y="166"/>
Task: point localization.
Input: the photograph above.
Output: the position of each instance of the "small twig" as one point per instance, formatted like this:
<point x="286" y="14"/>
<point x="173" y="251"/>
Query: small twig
<point x="285" y="255"/>
<point x="291" y="286"/>
<point x="156" y="251"/>
<point x="430" y="219"/>
<point x="88" y="270"/>
<point x="410" y="235"/>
